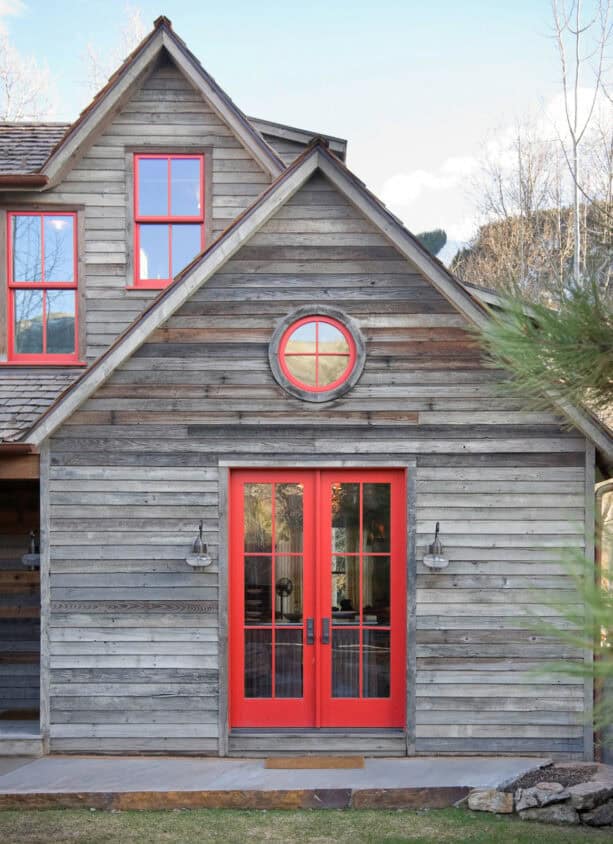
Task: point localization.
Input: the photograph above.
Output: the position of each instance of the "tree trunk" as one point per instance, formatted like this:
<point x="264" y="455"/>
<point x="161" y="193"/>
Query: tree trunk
<point x="576" y="214"/>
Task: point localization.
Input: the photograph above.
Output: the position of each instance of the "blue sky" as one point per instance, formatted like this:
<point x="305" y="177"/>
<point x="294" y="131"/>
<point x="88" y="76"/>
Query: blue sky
<point x="412" y="85"/>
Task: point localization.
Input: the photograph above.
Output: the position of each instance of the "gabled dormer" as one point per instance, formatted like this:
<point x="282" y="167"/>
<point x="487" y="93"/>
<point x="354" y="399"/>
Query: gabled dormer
<point x="99" y="215"/>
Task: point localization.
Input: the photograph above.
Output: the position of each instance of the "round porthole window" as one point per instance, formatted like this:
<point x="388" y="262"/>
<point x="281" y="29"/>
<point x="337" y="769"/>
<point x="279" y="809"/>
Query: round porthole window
<point x="317" y="355"/>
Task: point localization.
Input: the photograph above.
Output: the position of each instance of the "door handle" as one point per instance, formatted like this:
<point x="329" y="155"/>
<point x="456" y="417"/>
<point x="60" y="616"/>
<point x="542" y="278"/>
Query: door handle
<point x="310" y="631"/>
<point x="325" y="631"/>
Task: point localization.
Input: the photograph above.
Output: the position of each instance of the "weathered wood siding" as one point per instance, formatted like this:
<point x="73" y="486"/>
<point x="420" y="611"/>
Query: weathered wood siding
<point x="166" y="115"/>
<point x="287" y="150"/>
<point x="134" y="659"/>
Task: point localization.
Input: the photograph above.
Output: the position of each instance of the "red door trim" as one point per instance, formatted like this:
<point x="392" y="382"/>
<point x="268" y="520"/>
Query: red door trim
<point x="369" y="712"/>
<point x="317" y="708"/>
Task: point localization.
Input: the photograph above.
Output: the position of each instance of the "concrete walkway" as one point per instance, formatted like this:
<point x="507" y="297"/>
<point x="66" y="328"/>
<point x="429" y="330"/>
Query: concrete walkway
<point x="174" y="782"/>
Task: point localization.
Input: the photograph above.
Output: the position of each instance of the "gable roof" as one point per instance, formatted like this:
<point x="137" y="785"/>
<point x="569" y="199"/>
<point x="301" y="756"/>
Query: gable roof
<point x="316" y="157"/>
<point x="118" y="88"/>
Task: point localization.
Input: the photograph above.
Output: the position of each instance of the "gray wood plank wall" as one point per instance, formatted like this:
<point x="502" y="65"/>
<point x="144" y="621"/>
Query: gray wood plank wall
<point x="134" y="663"/>
<point x="166" y="115"/>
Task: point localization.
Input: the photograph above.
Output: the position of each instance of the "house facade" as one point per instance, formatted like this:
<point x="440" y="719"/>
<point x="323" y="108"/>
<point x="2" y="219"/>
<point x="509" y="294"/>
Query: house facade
<point x="237" y="396"/>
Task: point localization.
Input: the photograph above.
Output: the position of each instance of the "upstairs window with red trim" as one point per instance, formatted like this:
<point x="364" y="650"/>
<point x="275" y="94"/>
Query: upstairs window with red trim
<point x="168" y="216"/>
<point x="42" y="287"/>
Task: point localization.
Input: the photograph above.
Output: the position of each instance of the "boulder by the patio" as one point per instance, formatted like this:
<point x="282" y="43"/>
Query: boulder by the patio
<point x="490" y="800"/>
<point x="542" y="794"/>
<point x="600" y="816"/>
<point x="554" y="813"/>
<point x="587" y="795"/>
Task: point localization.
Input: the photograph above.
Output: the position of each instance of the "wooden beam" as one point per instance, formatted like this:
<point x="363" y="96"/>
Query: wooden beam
<point x="590" y="527"/>
<point x="19" y="467"/>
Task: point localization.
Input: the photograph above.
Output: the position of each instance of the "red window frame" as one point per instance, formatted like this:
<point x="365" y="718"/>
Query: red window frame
<point x="317" y="319"/>
<point x="43" y="357"/>
<point x="169" y="219"/>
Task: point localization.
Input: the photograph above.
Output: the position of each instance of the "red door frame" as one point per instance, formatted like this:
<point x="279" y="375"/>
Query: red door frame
<point x="366" y="712"/>
<point x="317" y="708"/>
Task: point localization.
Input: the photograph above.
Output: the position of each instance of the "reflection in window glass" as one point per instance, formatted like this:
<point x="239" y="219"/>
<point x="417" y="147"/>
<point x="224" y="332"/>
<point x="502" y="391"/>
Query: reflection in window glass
<point x="153" y="187"/>
<point x="258" y="518"/>
<point x="60" y="322"/>
<point x="186" y="244"/>
<point x="27" y="248"/>
<point x="28" y="308"/>
<point x="331" y="369"/>
<point x="346" y="517"/>
<point x="154" y="257"/>
<point x="288" y="663"/>
<point x="302" y="340"/>
<point x="376" y="590"/>
<point x="303" y="368"/>
<point x="345" y="663"/>
<point x="345" y="590"/>
<point x="331" y="341"/>
<point x="376" y="517"/>
<point x="59" y="248"/>
<point x="288" y="589"/>
<point x="376" y="663"/>
<point x="289" y="527"/>
<point x="186" y="183"/>
<point x="258" y="663"/>
<point x="258" y="590"/>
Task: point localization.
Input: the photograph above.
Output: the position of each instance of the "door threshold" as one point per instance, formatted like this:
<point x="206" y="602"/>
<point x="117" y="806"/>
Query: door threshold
<point x="316" y="731"/>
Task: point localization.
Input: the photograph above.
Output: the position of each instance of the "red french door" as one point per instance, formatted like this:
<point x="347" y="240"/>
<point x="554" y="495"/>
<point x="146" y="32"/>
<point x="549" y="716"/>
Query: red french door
<point x="317" y="598"/>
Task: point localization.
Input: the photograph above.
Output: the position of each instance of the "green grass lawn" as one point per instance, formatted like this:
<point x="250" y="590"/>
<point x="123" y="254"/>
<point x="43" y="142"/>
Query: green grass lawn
<point x="57" y="826"/>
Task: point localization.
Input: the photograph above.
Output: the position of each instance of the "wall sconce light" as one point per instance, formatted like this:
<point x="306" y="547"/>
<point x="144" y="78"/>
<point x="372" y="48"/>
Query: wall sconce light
<point x="435" y="558"/>
<point x="199" y="558"/>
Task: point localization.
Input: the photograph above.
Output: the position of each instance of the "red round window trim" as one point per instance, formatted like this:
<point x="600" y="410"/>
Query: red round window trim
<point x="311" y="388"/>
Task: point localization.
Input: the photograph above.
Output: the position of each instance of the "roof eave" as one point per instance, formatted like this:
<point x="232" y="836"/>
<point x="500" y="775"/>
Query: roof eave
<point x="293" y="133"/>
<point x="23" y="180"/>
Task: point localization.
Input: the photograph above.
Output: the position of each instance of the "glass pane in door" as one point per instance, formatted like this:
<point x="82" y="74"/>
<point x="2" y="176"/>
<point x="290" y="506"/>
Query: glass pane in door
<point x="273" y="575"/>
<point x="360" y="589"/>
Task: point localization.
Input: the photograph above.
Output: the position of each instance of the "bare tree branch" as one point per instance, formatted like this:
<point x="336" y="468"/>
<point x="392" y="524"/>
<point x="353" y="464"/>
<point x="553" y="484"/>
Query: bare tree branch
<point x="25" y="85"/>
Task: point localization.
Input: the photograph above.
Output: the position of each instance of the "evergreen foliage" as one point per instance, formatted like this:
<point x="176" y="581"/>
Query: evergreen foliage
<point x="565" y="353"/>
<point x="433" y="240"/>
<point x="585" y="622"/>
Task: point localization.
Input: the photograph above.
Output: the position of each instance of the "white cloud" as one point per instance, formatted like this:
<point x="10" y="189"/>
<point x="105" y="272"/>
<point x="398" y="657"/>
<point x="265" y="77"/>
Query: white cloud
<point x="403" y="189"/>
<point x="462" y="230"/>
<point x="11" y="8"/>
<point x="460" y="165"/>
<point x="443" y="197"/>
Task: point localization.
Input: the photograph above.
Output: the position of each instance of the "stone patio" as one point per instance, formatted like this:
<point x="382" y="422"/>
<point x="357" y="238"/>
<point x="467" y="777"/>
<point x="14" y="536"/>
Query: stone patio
<point x="176" y="782"/>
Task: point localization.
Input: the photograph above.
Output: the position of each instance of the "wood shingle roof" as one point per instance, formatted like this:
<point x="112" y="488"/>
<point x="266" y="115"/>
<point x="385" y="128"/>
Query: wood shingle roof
<point x="26" y="394"/>
<point x="24" y="147"/>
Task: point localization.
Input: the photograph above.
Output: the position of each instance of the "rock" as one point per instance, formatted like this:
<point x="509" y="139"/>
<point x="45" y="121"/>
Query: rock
<point x="542" y="794"/>
<point x="550" y="792"/>
<point x="587" y="795"/>
<point x="600" y="816"/>
<point x="490" y="800"/>
<point x="508" y="784"/>
<point x="525" y="798"/>
<point x="555" y="813"/>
